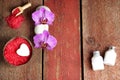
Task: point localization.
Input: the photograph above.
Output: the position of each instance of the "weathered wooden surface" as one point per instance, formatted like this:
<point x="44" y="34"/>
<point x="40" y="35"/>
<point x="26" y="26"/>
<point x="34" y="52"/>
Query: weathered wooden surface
<point x="64" y="62"/>
<point x="31" y="70"/>
<point x="101" y="20"/>
<point x="101" y="28"/>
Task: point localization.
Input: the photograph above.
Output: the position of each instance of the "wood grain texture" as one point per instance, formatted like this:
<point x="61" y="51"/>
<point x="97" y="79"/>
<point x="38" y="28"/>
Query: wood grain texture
<point x="64" y="62"/>
<point x="32" y="70"/>
<point x="101" y="29"/>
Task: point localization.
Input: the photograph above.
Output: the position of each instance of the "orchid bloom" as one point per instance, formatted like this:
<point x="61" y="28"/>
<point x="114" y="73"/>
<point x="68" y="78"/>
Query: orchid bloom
<point x="44" y="40"/>
<point x="43" y="15"/>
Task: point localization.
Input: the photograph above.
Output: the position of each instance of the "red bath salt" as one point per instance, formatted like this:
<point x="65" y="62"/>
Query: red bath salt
<point x="10" y="49"/>
<point x="15" y="21"/>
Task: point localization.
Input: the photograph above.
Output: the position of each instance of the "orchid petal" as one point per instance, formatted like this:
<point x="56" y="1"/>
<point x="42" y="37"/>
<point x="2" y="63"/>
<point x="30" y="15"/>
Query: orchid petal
<point x="51" y="42"/>
<point x="36" y="16"/>
<point x="50" y="16"/>
<point x="37" y="40"/>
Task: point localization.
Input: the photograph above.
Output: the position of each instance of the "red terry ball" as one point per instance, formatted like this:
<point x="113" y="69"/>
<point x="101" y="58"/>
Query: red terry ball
<point x="15" y="21"/>
<point x="11" y="55"/>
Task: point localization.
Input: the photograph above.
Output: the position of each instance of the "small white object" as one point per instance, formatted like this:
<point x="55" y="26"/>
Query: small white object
<point x="40" y="28"/>
<point x="110" y="56"/>
<point x="23" y="50"/>
<point x="43" y="7"/>
<point x="97" y="61"/>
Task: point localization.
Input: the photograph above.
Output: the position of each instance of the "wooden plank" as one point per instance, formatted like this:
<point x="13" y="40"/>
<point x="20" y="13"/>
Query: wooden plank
<point x="101" y="29"/>
<point x="33" y="69"/>
<point x="64" y="62"/>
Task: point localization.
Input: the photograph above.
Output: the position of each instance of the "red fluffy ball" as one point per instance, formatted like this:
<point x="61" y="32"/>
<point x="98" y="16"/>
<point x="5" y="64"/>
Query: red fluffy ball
<point x="15" y="21"/>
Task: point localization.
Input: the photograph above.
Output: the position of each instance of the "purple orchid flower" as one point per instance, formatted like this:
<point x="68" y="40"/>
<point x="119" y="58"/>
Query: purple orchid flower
<point x="43" y="16"/>
<point x="44" y="40"/>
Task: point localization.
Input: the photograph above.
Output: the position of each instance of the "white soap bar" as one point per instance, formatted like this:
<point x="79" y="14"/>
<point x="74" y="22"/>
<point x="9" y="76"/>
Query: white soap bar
<point x="110" y="56"/>
<point x="97" y="61"/>
<point x="45" y="7"/>
<point x="23" y="50"/>
<point x="40" y="28"/>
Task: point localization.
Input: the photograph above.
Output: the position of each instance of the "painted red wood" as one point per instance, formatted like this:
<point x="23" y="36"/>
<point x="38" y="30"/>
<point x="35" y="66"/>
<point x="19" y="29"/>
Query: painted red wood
<point x="64" y="62"/>
<point x="33" y="69"/>
<point x="101" y="29"/>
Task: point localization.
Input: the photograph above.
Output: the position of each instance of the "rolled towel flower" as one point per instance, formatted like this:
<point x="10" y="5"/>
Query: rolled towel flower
<point x="40" y="28"/>
<point x="44" y="40"/>
<point x="43" y="15"/>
